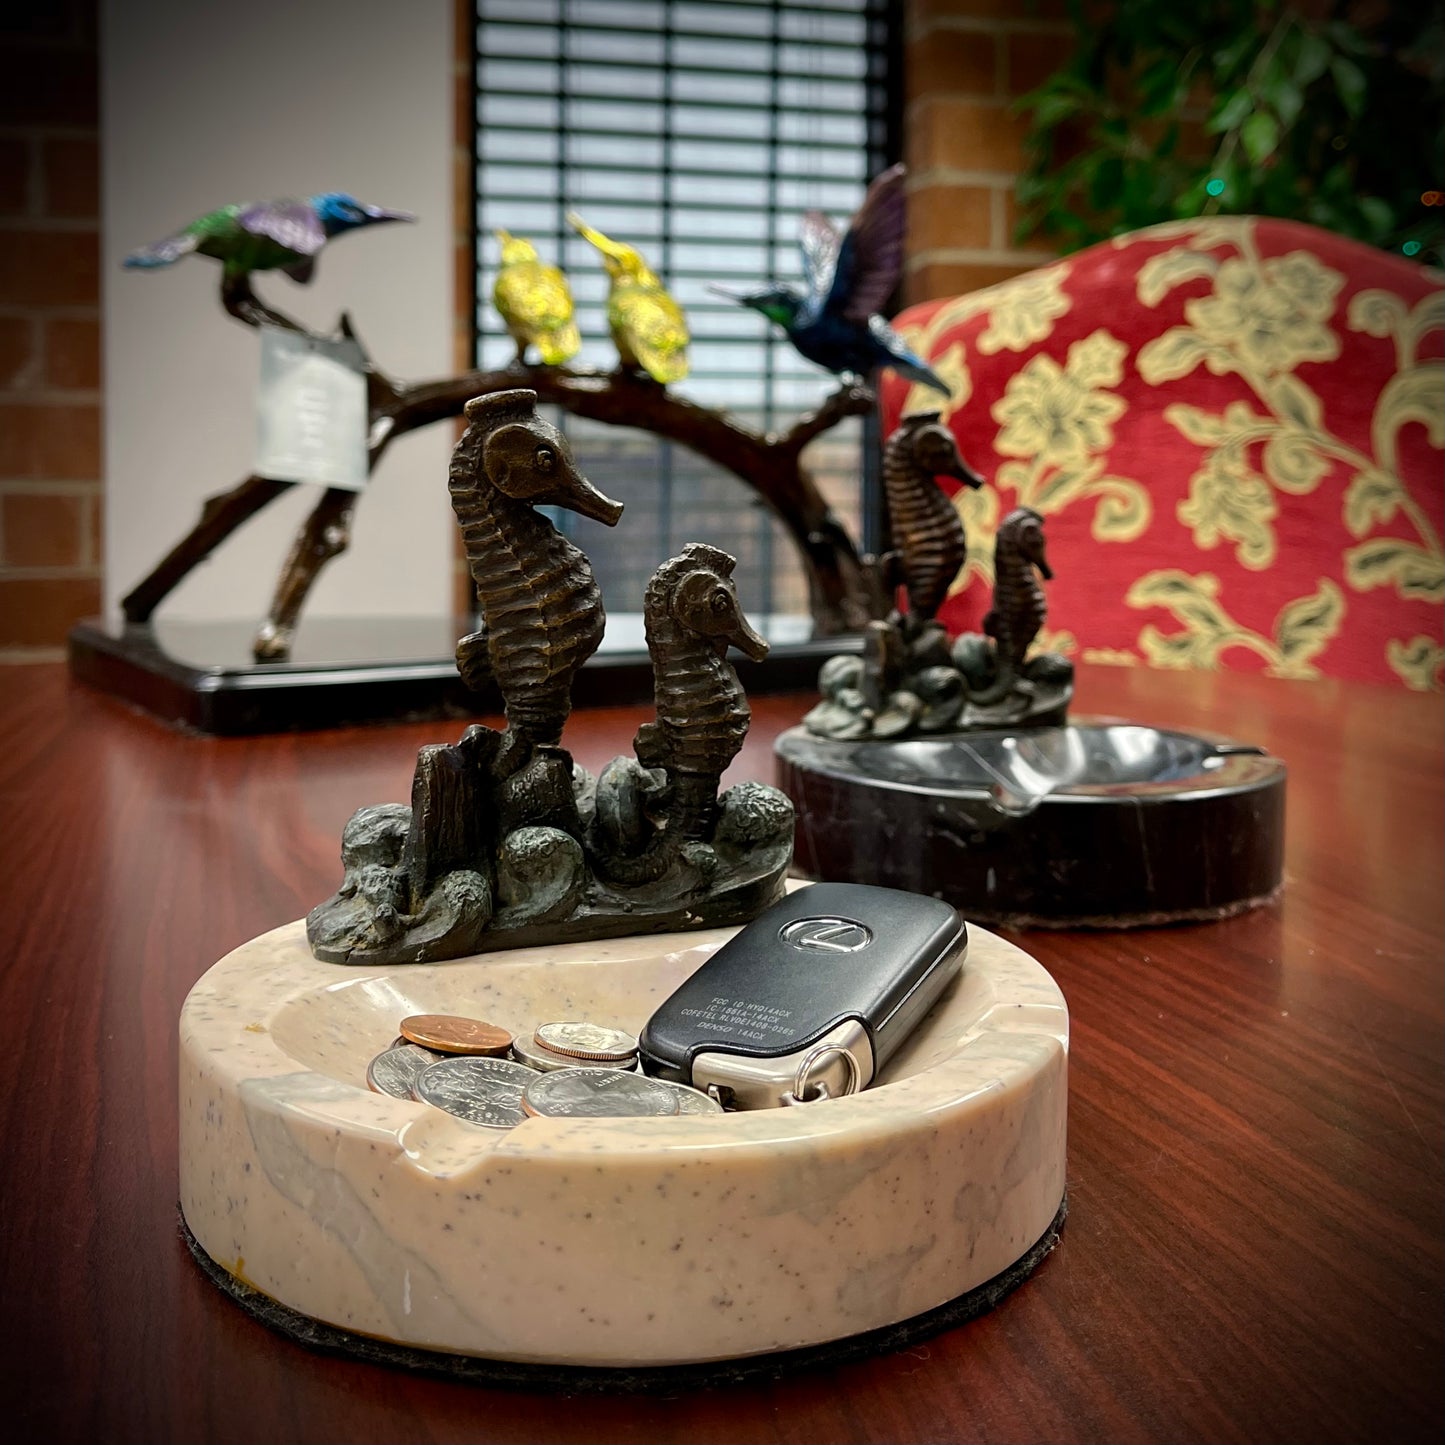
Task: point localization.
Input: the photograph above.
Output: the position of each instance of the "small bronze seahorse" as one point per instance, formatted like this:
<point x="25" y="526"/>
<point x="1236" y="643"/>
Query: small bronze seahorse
<point x="541" y="607"/>
<point x="1019" y="607"/>
<point x="691" y="614"/>
<point x="927" y="530"/>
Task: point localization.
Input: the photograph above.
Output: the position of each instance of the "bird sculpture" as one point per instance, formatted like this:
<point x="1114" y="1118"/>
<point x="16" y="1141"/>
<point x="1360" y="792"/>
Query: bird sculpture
<point x="281" y="235"/>
<point x="835" y="321"/>
<point x="648" y="327"/>
<point x="535" y="302"/>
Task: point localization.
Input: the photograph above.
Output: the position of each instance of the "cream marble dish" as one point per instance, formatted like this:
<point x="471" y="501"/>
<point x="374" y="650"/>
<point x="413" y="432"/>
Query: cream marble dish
<point x="621" y="1242"/>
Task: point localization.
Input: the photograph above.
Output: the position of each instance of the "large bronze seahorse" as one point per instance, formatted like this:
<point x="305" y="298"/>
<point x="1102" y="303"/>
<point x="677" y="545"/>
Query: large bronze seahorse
<point x="1019" y="607"/>
<point x="927" y="530"/>
<point x="541" y="607"/>
<point x="691" y="614"/>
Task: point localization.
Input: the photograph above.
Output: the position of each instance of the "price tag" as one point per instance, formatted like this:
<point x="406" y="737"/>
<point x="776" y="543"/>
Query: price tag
<point x="311" y="413"/>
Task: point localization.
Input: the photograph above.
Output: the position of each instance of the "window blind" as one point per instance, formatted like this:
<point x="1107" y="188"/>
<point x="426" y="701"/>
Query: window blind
<point x="698" y="133"/>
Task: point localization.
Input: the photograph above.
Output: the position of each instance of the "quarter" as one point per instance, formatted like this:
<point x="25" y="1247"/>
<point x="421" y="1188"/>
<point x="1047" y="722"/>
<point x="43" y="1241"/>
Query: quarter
<point x="593" y="1042"/>
<point x="691" y="1101"/>
<point x="597" y="1094"/>
<point x="530" y="1052"/>
<point x="451" y="1034"/>
<point x="482" y="1091"/>
<point x="394" y="1070"/>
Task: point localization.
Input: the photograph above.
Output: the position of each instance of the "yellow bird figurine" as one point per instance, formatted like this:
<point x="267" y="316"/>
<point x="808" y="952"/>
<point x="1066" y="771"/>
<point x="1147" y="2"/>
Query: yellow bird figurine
<point x="535" y="302"/>
<point x="648" y="326"/>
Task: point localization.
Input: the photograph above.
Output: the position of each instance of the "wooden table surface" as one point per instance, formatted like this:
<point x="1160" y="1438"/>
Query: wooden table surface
<point x="1254" y="1245"/>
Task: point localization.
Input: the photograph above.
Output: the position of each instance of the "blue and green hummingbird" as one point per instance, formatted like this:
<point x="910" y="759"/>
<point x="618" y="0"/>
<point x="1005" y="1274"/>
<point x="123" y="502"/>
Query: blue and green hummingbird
<point x="283" y="235"/>
<point x="835" y="322"/>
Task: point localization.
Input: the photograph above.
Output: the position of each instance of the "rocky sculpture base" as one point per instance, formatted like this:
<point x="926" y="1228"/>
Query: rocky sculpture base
<point x="910" y="680"/>
<point x="508" y="847"/>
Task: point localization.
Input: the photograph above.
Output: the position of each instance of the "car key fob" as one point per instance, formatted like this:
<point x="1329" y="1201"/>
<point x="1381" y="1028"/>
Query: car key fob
<point x="811" y="999"/>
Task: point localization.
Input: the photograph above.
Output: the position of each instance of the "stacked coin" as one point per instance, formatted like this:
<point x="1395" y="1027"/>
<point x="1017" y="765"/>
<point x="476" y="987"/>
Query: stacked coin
<point x="566" y="1045"/>
<point x="566" y="1069"/>
<point x="453" y="1035"/>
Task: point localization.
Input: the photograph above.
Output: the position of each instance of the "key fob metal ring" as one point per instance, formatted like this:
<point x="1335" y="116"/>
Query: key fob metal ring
<point x="798" y="1094"/>
<point x="811" y="999"/>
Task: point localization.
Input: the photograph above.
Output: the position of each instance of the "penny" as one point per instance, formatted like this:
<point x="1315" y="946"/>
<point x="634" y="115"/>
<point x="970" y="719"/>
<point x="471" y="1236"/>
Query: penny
<point x="691" y="1101"/>
<point x="479" y="1090"/>
<point x="531" y="1053"/>
<point x="454" y="1035"/>
<point x="593" y="1042"/>
<point x="597" y="1094"/>
<point x="394" y="1071"/>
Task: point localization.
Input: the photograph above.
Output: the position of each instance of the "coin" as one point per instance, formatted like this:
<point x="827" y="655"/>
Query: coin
<point x="597" y="1094"/>
<point x="453" y="1035"/>
<point x="480" y="1090"/>
<point x="394" y="1071"/>
<point x="531" y="1053"/>
<point x="691" y="1101"/>
<point x="593" y="1042"/>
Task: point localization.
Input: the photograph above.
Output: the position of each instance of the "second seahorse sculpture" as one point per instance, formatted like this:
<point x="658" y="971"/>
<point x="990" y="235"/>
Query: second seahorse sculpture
<point x="909" y="679"/>
<point x="506" y="843"/>
<point x="692" y="615"/>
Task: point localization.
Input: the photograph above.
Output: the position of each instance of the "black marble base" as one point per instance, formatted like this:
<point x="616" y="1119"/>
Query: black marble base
<point x="1096" y="824"/>
<point x="655" y="1379"/>
<point x="201" y="676"/>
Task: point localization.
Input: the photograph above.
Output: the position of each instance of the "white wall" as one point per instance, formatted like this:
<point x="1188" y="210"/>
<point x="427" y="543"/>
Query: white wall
<point x="205" y="102"/>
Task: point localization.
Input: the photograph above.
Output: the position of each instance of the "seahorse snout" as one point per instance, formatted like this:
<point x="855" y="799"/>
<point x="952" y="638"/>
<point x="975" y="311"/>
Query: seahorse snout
<point x="748" y="642"/>
<point x="583" y="497"/>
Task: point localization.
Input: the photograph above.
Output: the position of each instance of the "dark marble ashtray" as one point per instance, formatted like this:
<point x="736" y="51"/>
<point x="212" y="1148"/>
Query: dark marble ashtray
<point x="1095" y="824"/>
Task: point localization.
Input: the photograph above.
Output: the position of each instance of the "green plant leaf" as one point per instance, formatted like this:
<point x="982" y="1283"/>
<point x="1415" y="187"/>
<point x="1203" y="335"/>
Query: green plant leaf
<point x="1284" y="94"/>
<point x="1229" y="112"/>
<point x="1313" y="58"/>
<point x="1346" y="37"/>
<point x="1351" y="83"/>
<point x="1050" y="108"/>
<point x="1259" y="136"/>
<point x="1378" y="215"/>
<point x="1232" y="56"/>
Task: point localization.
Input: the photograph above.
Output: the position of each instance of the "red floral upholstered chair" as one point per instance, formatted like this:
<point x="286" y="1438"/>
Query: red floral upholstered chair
<point x="1233" y="428"/>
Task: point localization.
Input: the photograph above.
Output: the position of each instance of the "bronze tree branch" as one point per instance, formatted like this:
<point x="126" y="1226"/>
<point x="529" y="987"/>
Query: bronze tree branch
<point x="838" y="588"/>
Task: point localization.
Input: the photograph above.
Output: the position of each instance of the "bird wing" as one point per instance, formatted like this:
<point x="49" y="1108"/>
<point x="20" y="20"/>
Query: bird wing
<point x="900" y="357"/>
<point x="292" y="224"/>
<point x="656" y="329"/>
<point x="819" y="238"/>
<point x="870" y="259"/>
<point x="163" y="253"/>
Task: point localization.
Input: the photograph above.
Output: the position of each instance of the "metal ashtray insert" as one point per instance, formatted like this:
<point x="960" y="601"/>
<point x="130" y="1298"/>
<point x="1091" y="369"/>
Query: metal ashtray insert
<point x="1098" y="823"/>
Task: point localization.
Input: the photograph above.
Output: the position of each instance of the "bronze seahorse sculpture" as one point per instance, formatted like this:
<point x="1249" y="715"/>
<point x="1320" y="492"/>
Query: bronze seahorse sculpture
<point x="1019" y="607"/>
<point x="541" y="607"/>
<point x="691" y="615"/>
<point x="927" y="531"/>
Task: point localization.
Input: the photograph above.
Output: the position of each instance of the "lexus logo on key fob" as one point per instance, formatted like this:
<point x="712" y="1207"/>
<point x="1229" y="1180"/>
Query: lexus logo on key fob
<point x="832" y="935"/>
<point x="811" y="999"/>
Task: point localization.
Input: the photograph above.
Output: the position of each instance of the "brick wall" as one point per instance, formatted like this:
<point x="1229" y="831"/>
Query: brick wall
<point x="50" y="434"/>
<point x="964" y="62"/>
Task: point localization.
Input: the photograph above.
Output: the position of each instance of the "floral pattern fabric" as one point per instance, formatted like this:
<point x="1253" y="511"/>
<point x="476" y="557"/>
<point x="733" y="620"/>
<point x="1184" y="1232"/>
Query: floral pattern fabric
<point x="1234" y="428"/>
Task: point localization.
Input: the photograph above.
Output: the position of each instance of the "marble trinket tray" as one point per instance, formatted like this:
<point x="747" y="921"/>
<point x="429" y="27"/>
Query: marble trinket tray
<point x="618" y="1242"/>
